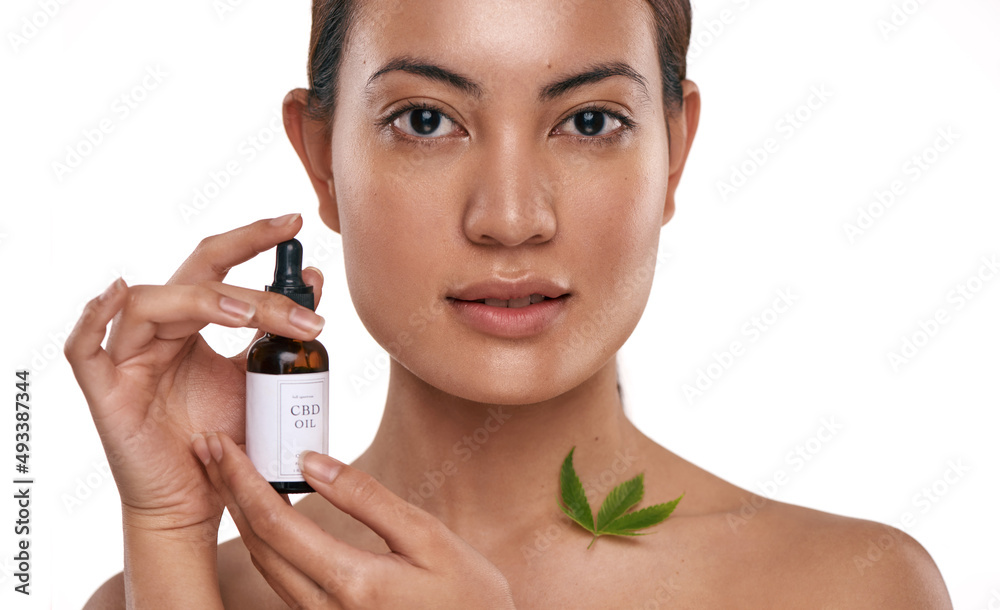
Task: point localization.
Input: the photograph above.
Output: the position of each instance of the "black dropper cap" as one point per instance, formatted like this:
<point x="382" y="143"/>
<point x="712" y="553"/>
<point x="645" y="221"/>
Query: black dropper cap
<point x="288" y="275"/>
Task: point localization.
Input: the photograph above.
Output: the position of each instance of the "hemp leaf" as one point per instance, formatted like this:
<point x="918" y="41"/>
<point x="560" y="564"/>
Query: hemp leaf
<point x="613" y="518"/>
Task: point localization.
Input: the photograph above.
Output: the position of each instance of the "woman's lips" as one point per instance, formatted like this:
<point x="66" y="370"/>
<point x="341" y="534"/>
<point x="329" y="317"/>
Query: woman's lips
<point x="512" y="302"/>
<point x="521" y="318"/>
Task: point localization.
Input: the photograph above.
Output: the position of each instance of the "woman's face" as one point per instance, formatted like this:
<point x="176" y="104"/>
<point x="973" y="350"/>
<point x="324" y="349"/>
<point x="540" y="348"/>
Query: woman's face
<point x="473" y="155"/>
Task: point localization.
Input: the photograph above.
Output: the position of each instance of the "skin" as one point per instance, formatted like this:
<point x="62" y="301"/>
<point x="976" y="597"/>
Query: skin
<point x="507" y="185"/>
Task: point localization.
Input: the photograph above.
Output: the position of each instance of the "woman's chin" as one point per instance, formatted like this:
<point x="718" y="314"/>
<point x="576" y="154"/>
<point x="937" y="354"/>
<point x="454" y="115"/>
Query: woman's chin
<point x="494" y="394"/>
<point x="520" y="384"/>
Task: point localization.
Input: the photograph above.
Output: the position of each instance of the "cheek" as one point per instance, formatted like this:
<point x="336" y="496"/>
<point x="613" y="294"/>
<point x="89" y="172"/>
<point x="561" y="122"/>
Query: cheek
<point x="394" y="252"/>
<point x="614" y="232"/>
<point x="612" y="221"/>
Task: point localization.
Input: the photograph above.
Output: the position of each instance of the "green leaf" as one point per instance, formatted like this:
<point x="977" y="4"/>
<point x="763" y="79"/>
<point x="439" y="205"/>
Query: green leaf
<point x="613" y="518"/>
<point x="576" y="506"/>
<point x="621" y="498"/>
<point x="626" y="524"/>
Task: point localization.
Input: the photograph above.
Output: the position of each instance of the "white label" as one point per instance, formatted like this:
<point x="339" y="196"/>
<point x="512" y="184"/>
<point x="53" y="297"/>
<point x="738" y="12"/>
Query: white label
<point x="286" y="414"/>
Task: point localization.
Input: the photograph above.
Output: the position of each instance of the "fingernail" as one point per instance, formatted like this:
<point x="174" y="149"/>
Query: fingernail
<point x="306" y="320"/>
<point x="319" y="466"/>
<point x="285" y="220"/>
<point x="241" y="310"/>
<point x="110" y="290"/>
<point x="214" y="445"/>
<point x="201" y="448"/>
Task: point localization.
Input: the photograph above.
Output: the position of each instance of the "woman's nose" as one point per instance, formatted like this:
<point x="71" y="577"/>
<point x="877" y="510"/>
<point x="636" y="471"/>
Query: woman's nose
<point x="512" y="200"/>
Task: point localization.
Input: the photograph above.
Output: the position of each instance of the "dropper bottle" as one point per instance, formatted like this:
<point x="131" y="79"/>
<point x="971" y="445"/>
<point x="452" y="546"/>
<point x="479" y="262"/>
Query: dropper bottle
<point x="288" y="384"/>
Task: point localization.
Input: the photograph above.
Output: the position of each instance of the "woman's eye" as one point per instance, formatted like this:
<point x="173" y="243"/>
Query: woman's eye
<point x="593" y="123"/>
<point x="424" y="123"/>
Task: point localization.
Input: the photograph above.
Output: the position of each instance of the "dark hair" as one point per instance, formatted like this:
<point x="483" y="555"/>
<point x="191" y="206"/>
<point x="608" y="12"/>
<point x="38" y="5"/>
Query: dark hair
<point x="332" y="20"/>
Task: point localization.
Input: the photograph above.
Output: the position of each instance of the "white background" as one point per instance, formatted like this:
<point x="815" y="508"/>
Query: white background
<point x="63" y="239"/>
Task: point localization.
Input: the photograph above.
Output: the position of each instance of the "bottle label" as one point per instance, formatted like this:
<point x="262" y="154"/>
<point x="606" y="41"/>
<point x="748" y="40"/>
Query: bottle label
<point x="286" y="414"/>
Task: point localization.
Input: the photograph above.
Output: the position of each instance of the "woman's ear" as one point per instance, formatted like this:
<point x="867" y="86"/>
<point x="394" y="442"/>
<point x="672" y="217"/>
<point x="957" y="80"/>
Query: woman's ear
<point x="681" y="130"/>
<point x="311" y="142"/>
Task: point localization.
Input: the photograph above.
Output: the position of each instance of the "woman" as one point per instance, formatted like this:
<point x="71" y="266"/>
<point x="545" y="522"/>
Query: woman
<point x="464" y="151"/>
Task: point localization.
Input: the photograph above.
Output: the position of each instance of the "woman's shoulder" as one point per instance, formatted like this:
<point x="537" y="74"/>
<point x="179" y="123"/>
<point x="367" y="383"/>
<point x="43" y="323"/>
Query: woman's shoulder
<point x="836" y="560"/>
<point x="771" y="550"/>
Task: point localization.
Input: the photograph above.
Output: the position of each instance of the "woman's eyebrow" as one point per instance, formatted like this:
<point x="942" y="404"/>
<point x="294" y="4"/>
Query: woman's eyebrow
<point x="468" y="86"/>
<point x="593" y="74"/>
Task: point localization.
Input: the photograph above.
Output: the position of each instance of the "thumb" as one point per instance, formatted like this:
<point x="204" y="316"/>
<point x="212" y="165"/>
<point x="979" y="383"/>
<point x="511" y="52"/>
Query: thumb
<point x="314" y="277"/>
<point x="407" y="529"/>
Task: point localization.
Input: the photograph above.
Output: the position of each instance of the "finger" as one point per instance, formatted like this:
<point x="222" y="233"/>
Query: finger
<point x="93" y="367"/>
<point x="312" y="277"/>
<point x="293" y="596"/>
<point x="288" y="582"/>
<point x="273" y="312"/>
<point x="147" y="307"/>
<point x="217" y="254"/>
<point x="334" y="565"/>
<point x="407" y="529"/>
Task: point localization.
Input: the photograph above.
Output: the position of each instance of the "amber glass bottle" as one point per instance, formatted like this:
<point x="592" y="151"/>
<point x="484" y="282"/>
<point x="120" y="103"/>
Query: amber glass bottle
<point x="288" y="384"/>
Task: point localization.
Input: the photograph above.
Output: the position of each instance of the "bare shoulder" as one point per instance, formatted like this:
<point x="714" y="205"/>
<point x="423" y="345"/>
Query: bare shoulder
<point x="822" y="560"/>
<point x="773" y="554"/>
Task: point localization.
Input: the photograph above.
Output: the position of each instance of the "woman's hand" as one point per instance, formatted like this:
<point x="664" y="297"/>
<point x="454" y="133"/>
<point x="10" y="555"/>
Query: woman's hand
<point x="429" y="566"/>
<point x="159" y="381"/>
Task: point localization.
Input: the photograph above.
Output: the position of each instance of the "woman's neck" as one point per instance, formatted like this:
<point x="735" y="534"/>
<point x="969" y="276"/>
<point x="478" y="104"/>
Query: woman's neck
<point x="472" y="464"/>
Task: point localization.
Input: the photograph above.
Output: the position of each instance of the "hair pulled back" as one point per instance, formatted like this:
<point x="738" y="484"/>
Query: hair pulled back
<point x="332" y="20"/>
